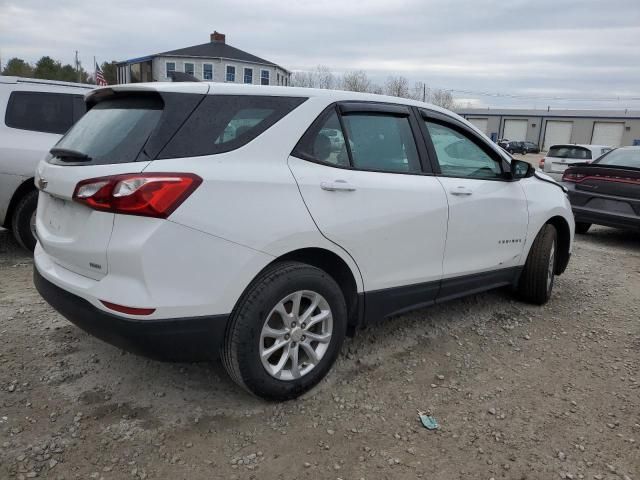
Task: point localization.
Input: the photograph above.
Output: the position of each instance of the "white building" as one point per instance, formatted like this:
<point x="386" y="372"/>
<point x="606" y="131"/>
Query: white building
<point x="212" y="61"/>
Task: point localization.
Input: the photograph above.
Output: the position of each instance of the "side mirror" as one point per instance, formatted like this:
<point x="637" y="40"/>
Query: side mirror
<point x="521" y="169"/>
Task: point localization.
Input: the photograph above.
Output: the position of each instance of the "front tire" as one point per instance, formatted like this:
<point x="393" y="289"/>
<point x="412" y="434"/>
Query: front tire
<point x="23" y="221"/>
<point x="582" y="228"/>
<point x="286" y="331"/>
<point x="536" y="281"/>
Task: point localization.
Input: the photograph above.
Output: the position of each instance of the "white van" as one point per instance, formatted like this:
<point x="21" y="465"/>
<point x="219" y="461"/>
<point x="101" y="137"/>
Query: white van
<point x="34" y="113"/>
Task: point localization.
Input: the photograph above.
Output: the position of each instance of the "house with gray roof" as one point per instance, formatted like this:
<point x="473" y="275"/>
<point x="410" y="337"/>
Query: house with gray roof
<point x="214" y="61"/>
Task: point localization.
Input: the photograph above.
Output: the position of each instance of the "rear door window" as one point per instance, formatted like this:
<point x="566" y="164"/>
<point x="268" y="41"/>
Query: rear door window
<point x="381" y="142"/>
<point x="570" y="152"/>
<point x="42" y="111"/>
<point x="222" y="123"/>
<point x="115" y="130"/>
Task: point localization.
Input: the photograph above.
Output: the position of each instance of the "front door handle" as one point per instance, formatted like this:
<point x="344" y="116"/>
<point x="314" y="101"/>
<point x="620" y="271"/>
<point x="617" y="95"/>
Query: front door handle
<point x="461" y="191"/>
<point x="337" y="186"/>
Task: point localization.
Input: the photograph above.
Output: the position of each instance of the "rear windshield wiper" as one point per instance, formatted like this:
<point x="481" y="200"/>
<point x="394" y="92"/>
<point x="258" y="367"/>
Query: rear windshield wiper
<point x="71" y="155"/>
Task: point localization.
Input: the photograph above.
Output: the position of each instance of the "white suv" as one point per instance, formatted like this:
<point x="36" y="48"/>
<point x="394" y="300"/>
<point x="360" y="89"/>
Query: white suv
<point x="184" y="220"/>
<point x="36" y="113"/>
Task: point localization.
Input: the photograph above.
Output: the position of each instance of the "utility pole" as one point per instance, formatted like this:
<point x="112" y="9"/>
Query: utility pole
<point x="424" y="92"/>
<point x="77" y="67"/>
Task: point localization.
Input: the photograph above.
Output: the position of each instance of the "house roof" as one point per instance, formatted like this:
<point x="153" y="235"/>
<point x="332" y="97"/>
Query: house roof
<point x="217" y="50"/>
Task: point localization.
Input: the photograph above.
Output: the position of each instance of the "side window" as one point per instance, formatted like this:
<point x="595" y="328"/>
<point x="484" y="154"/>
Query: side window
<point x="170" y="68"/>
<point x="264" y="77"/>
<point x="189" y="68"/>
<point x="79" y="107"/>
<point x="207" y="71"/>
<point x="248" y="75"/>
<point x="231" y="73"/>
<point x="459" y="156"/>
<point x="325" y="142"/>
<point x="222" y="123"/>
<point x="381" y="142"/>
<point x="40" y="112"/>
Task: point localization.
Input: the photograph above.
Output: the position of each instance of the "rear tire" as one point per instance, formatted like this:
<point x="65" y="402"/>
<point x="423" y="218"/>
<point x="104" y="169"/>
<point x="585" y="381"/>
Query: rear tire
<point x="245" y="345"/>
<point x="21" y="222"/>
<point x="536" y="281"/>
<point x="582" y="228"/>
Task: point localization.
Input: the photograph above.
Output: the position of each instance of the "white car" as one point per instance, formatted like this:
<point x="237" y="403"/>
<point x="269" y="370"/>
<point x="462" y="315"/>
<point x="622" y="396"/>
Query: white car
<point x="561" y="157"/>
<point x="162" y="233"/>
<point x="36" y="113"/>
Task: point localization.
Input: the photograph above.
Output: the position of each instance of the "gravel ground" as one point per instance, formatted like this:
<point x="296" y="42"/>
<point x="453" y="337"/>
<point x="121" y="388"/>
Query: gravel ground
<point x="520" y="392"/>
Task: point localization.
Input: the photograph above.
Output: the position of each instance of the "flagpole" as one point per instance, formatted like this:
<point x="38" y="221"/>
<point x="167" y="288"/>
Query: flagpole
<point x="95" y="72"/>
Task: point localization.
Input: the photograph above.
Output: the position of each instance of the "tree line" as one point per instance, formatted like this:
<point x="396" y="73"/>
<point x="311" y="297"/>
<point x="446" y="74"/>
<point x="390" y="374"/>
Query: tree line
<point x="49" y="69"/>
<point x="359" y="81"/>
<point x="322" y="77"/>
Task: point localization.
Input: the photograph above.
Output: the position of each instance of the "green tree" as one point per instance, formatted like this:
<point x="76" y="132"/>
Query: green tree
<point x="18" y="67"/>
<point x="109" y="70"/>
<point x="47" y="68"/>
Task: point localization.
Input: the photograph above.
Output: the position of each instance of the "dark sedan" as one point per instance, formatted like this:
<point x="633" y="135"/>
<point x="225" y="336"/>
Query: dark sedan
<point x="515" y="147"/>
<point x="531" y="147"/>
<point x="606" y="191"/>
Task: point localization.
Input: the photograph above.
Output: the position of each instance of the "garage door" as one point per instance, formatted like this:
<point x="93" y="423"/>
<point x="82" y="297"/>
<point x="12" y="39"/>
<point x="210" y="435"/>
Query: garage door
<point x="515" y="130"/>
<point x="607" y="133"/>
<point x="557" y="133"/>
<point x="480" y="123"/>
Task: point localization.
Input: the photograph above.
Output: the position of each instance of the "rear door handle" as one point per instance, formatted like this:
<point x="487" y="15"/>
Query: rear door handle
<point x="461" y="191"/>
<point x="337" y="186"/>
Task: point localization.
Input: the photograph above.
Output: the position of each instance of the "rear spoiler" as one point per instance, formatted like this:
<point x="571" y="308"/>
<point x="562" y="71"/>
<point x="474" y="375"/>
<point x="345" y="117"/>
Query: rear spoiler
<point x="182" y="77"/>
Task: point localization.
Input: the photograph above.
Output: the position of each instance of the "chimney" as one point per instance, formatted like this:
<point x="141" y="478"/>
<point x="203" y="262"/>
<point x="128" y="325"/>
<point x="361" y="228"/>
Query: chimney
<point x="218" y="37"/>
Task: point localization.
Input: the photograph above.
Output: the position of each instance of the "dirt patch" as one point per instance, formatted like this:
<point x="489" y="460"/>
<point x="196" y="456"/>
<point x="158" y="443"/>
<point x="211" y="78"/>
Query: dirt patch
<point x="520" y="392"/>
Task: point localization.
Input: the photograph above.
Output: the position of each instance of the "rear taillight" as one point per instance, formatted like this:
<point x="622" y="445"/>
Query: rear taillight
<point x="146" y="194"/>
<point x="569" y="176"/>
<point x="128" y="310"/>
<point x="541" y="164"/>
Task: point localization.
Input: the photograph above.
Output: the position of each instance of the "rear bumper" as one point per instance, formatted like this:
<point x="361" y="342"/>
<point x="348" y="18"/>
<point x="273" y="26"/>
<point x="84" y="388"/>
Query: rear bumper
<point x="599" y="217"/>
<point x="183" y="339"/>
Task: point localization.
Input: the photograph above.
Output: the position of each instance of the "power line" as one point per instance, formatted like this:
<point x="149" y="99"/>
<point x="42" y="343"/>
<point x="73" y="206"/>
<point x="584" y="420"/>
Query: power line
<point x="541" y="97"/>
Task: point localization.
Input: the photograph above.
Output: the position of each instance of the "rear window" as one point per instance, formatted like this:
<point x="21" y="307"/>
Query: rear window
<point x="115" y="130"/>
<point x="621" y="158"/>
<point x="570" y="152"/>
<point x="222" y="123"/>
<point x="43" y="111"/>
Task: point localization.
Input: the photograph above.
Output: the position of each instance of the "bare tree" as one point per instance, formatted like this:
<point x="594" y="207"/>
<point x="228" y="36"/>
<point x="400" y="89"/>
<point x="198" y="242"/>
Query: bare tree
<point x="442" y="98"/>
<point x="397" y="87"/>
<point x="302" y="79"/>
<point x="324" y="78"/>
<point x="420" y="92"/>
<point x="356" y="81"/>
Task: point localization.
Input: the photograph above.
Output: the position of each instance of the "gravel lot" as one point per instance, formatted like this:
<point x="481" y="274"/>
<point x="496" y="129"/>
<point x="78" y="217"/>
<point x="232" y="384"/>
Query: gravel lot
<point x="520" y="392"/>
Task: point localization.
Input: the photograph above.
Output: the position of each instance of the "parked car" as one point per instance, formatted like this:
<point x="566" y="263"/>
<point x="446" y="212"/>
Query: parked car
<point x="36" y="113"/>
<point x="606" y="191"/>
<point x="515" y="147"/>
<point x="560" y="157"/>
<point x="158" y="236"/>
<point x="531" y="147"/>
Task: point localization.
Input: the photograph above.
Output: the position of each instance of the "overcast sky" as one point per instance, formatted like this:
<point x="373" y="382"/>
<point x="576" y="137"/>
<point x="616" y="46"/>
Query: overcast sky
<point x="579" y="49"/>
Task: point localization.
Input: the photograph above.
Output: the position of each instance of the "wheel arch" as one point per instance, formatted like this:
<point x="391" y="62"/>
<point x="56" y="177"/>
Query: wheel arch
<point x="335" y="266"/>
<point x="24" y="188"/>
<point x="564" y="242"/>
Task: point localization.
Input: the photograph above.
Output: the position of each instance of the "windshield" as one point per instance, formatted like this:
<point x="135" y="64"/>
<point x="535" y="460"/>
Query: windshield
<point x="621" y="158"/>
<point x="570" y="151"/>
<point x="114" y="131"/>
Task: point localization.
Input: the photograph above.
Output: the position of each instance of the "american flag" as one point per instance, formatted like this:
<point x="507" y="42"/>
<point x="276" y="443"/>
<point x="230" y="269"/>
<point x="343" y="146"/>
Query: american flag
<point x="100" y="81"/>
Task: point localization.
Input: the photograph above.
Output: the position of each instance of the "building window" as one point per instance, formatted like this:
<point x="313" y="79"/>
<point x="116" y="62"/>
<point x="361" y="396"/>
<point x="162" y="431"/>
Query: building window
<point x="277" y="79"/>
<point x="248" y="75"/>
<point x="231" y="73"/>
<point x="264" y="77"/>
<point x="171" y="67"/>
<point x="189" y="68"/>
<point x="207" y="71"/>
